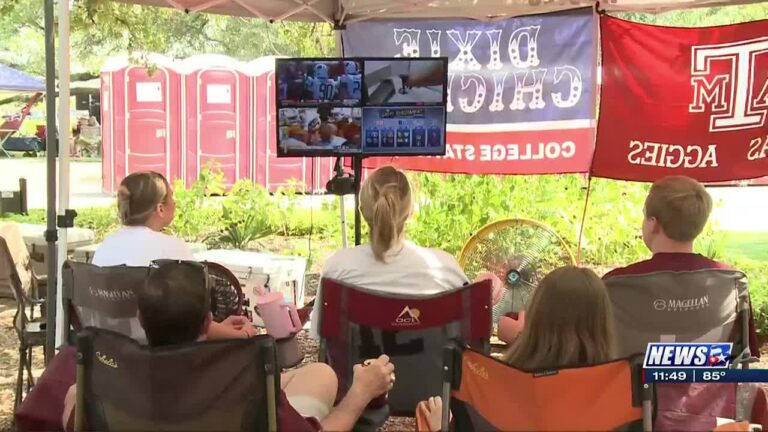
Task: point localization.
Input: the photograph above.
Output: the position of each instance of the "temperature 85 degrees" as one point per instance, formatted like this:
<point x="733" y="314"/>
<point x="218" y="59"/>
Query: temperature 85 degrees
<point x="712" y="376"/>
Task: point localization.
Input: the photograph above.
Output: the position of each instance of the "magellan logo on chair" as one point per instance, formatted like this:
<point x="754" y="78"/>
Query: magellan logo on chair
<point x="408" y="317"/>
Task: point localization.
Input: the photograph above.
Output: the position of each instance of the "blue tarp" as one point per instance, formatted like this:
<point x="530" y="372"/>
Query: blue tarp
<point x="15" y="80"/>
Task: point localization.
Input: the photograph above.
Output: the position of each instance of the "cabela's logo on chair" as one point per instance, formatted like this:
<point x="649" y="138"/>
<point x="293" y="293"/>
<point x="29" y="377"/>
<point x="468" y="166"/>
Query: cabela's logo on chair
<point x="477" y="369"/>
<point x="408" y="317"/>
<point x="106" y="360"/>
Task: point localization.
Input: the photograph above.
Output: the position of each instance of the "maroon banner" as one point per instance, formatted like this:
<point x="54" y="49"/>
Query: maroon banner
<point x="680" y="101"/>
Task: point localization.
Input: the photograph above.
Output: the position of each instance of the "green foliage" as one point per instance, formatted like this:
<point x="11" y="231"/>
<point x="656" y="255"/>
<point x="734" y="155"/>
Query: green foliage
<point x="703" y="17"/>
<point x="451" y="208"/>
<point x="757" y="275"/>
<point x="247" y="215"/>
<point x="102" y="220"/>
<point x="195" y="216"/>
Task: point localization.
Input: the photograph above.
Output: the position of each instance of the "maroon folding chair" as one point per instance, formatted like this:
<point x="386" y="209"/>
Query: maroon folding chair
<point x="358" y="324"/>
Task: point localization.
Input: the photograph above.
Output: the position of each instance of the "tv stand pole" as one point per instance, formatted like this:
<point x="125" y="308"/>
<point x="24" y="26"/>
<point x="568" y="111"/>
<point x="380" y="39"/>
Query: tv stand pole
<point x="357" y="169"/>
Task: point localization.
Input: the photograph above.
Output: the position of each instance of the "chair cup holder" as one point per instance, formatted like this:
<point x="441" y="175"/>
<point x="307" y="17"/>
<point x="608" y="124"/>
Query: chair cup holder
<point x="289" y="353"/>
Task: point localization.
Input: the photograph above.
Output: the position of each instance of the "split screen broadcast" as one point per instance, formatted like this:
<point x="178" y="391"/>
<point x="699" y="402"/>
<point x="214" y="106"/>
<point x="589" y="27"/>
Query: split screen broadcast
<point x="375" y="107"/>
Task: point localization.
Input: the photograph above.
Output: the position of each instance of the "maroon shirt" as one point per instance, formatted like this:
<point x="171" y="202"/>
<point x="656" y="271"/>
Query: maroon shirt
<point x="682" y="262"/>
<point x="42" y="409"/>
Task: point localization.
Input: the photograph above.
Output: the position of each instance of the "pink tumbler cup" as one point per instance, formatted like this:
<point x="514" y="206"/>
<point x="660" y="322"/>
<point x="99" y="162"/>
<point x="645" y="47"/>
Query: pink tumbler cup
<point x="280" y="318"/>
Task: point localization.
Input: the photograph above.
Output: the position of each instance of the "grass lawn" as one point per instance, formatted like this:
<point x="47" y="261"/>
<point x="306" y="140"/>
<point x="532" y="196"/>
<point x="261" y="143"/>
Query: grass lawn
<point x="751" y="245"/>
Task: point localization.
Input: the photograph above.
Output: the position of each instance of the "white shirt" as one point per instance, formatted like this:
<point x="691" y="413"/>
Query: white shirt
<point x="138" y="246"/>
<point x="409" y="269"/>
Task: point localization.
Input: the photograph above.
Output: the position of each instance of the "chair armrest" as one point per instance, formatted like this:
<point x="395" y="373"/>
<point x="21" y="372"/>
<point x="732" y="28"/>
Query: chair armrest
<point x="33" y="301"/>
<point x="37" y="256"/>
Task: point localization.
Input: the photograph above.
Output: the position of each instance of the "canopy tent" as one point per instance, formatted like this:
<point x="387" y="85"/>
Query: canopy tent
<point x="16" y="81"/>
<point x="336" y="12"/>
<point x="341" y="11"/>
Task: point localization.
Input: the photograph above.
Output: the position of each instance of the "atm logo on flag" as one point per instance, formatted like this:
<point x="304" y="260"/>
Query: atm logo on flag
<point x="737" y="100"/>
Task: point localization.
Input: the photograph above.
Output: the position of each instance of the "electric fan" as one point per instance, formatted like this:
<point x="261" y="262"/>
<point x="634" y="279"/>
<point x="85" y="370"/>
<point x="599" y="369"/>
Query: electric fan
<point x="517" y="253"/>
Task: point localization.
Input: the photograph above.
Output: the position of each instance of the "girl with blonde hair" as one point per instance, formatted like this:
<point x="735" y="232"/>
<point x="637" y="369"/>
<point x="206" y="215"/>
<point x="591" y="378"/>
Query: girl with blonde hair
<point x="390" y="263"/>
<point x="569" y="323"/>
<point x="146" y="208"/>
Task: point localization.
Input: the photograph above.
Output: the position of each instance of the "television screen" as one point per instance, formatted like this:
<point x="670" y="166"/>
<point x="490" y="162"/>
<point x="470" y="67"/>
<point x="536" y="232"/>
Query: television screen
<point x="311" y="82"/>
<point x="404" y="130"/>
<point x="317" y="131"/>
<point x="405" y="81"/>
<point x="363" y="106"/>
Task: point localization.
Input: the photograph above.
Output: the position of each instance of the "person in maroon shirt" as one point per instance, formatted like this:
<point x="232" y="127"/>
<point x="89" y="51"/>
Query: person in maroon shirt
<point x="676" y="211"/>
<point x="173" y="310"/>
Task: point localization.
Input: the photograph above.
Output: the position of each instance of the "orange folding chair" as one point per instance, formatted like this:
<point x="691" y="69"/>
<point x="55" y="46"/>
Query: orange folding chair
<point x="486" y="394"/>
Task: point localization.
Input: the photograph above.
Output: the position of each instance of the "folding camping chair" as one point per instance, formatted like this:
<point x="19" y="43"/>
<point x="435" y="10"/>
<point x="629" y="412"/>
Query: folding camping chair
<point x="358" y="324"/>
<point x="102" y="297"/>
<point x="685" y="306"/>
<point x="7" y="130"/>
<point x="31" y="333"/>
<point x="485" y="394"/>
<point x="227" y="385"/>
<point x="681" y="306"/>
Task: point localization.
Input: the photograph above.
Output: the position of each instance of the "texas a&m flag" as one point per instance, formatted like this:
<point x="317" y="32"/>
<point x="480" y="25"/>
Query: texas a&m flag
<point x="680" y="101"/>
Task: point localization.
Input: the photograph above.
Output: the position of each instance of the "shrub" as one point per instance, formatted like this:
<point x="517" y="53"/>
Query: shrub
<point x="757" y="274"/>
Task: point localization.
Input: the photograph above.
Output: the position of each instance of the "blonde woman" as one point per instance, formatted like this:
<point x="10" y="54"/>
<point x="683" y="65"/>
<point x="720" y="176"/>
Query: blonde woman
<point x="390" y="263"/>
<point x="146" y="207"/>
<point x="569" y="323"/>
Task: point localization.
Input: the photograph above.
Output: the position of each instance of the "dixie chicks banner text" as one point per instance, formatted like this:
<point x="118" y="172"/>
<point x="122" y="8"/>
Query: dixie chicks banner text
<point x="683" y="101"/>
<point x="521" y="96"/>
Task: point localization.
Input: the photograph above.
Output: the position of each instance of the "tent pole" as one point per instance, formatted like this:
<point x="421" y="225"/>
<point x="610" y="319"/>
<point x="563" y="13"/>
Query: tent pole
<point x="64" y="136"/>
<point x="51" y="150"/>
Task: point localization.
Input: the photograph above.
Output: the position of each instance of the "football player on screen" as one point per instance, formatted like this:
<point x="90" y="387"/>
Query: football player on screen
<point x="321" y="85"/>
<point x="351" y="82"/>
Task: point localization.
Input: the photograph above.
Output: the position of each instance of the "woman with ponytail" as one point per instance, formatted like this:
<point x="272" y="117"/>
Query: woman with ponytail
<point x="390" y="263"/>
<point x="146" y="207"/>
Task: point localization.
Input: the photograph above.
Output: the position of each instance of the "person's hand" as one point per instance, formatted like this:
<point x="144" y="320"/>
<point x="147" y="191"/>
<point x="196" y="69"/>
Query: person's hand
<point x="374" y="378"/>
<point x="510" y="328"/>
<point x="433" y="412"/>
<point x="241" y="324"/>
<point x="496" y="283"/>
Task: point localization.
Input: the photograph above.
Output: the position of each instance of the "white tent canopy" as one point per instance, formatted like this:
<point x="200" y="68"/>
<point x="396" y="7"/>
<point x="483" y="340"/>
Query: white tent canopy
<point x="330" y="11"/>
<point x="359" y="10"/>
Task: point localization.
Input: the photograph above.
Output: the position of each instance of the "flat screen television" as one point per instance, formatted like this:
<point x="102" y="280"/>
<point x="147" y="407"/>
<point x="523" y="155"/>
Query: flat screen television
<point x="361" y="106"/>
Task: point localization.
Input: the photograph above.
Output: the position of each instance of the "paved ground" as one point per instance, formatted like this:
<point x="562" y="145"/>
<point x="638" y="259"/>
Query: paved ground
<point x="740" y="209"/>
<point x="85" y="182"/>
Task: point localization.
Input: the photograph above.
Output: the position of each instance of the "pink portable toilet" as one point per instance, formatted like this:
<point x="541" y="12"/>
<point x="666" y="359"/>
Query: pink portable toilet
<point x="217" y="118"/>
<point x="272" y="172"/>
<point x="141" y="128"/>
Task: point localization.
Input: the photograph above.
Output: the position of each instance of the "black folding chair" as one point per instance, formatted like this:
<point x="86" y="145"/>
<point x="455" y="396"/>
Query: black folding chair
<point x="229" y="385"/>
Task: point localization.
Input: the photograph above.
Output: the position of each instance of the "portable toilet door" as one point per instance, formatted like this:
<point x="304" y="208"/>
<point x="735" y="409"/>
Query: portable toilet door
<point x="217" y="118"/>
<point x="141" y="119"/>
<point x="270" y="171"/>
<point x="152" y="116"/>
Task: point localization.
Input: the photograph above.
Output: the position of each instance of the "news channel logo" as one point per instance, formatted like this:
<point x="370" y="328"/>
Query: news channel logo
<point x="688" y="355"/>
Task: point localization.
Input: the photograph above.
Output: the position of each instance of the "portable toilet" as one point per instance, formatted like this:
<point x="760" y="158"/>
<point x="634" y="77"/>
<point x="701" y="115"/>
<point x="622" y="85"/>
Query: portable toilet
<point x="141" y="113"/>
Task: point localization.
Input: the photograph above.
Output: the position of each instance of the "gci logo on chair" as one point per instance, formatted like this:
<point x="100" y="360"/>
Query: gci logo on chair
<point x="408" y="317"/>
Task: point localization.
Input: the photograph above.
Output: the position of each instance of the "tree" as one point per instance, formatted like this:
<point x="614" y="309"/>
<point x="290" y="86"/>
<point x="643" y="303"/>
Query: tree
<point x="101" y="28"/>
<point x="703" y="17"/>
<point x="123" y="27"/>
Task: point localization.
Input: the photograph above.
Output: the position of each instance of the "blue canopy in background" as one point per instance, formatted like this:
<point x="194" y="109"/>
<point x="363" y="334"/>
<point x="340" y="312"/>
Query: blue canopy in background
<point x="18" y="81"/>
